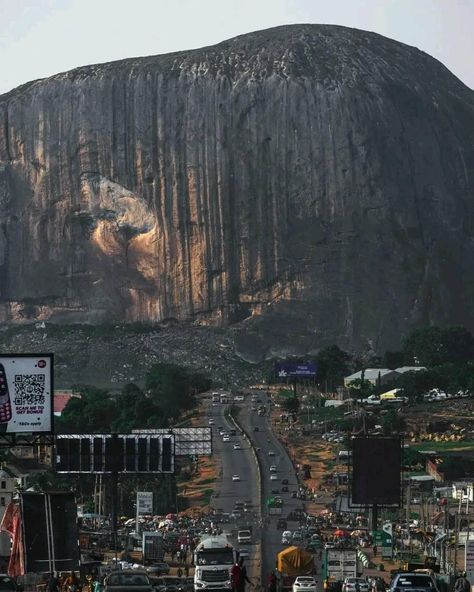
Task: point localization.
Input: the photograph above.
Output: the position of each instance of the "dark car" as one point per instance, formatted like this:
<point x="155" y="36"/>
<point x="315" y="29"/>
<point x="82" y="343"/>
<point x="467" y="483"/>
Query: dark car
<point x="128" y="581"/>
<point x="8" y="583"/>
<point x="158" y="569"/>
<point x="255" y="429"/>
<point x="284" y="489"/>
<point x="275" y="491"/>
<point x="172" y="584"/>
<point x="282" y="524"/>
<point x="284" y="482"/>
<point x="404" y="582"/>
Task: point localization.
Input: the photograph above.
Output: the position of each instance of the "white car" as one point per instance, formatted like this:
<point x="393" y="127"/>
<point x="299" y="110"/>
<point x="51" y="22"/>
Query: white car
<point x="271" y="453"/>
<point x="226" y="438"/>
<point x="237" y="446"/>
<point x="350" y="585"/>
<point x="211" y="421"/>
<point x="235" y="477"/>
<point x="304" y="584"/>
<point x="273" y="477"/>
<point x="286" y="537"/>
<point x="245" y="553"/>
<point x="273" y="469"/>
<point x="244" y="536"/>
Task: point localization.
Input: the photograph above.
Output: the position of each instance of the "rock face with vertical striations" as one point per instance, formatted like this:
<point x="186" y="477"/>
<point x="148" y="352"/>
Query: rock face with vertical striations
<point x="311" y="184"/>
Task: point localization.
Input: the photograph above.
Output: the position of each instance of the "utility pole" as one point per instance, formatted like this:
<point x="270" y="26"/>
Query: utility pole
<point x="457" y="518"/>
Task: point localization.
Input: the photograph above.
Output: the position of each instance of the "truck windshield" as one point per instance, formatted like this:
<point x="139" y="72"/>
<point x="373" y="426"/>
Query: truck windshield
<point x="215" y="557"/>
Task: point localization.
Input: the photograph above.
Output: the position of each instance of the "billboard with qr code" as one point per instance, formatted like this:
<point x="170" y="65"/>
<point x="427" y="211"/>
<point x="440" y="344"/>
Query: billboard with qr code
<point x="26" y="393"/>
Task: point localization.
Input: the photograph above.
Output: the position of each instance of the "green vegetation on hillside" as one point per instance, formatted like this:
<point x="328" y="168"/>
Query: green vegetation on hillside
<point x="170" y="392"/>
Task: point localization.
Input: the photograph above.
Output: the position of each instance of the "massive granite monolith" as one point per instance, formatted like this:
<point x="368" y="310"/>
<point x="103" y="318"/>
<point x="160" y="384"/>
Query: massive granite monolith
<point x="313" y="183"/>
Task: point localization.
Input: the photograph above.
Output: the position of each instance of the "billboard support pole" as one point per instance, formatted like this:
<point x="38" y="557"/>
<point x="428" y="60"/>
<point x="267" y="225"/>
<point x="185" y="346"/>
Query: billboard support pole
<point x="114" y="498"/>
<point x="375" y="517"/>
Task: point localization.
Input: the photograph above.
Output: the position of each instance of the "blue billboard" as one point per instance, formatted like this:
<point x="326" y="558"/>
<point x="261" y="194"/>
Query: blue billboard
<point x="295" y="370"/>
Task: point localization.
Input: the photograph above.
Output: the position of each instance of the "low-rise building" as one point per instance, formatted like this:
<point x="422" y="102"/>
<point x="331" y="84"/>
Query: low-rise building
<point x="375" y="376"/>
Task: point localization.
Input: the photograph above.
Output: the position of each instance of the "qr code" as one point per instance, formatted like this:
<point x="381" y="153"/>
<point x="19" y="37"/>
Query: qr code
<point x="29" y="389"/>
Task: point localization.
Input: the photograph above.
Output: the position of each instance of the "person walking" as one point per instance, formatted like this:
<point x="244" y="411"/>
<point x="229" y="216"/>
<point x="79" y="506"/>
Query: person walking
<point x="235" y="577"/>
<point x="462" y="584"/>
<point x="243" y="576"/>
<point x="272" y="582"/>
<point x="53" y="583"/>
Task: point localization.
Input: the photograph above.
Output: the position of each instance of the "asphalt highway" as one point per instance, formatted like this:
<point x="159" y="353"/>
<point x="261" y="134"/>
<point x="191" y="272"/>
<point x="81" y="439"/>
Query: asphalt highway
<point x="242" y="463"/>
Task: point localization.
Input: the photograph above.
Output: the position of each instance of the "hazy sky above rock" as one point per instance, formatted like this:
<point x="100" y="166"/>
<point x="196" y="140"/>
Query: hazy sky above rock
<point x="39" y="38"/>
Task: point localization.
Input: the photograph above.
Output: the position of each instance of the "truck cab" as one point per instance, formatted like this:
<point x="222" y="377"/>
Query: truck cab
<point x="213" y="560"/>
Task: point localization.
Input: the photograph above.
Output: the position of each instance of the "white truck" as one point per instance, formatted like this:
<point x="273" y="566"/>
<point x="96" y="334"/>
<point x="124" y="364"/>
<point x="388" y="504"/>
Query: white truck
<point x="340" y="564"/>
<point x="213" y="559"/>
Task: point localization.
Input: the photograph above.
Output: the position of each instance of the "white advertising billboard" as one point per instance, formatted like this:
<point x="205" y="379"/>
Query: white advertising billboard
<point x="26" y="393"/>
<point x="144" y="502"/>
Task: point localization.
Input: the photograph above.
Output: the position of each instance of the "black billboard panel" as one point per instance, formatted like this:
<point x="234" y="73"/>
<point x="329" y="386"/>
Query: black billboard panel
<point x="98" y="455"/>
<point x="86" y="457"/>
<point x="376" y="468"/>
<point x="50" y="532"/>
<point x="167" y="460"/>
<point x="142" y="460"/>
<point x="154" y="454"/>
<point x="114" y="460"/>
<point x="87" y="453"/>
<point x="130" y="454"/>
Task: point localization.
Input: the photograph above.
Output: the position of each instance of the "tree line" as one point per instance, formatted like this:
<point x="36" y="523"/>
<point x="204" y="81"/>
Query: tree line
<point x="169" y="392"/>
<point x="447" y="353"/>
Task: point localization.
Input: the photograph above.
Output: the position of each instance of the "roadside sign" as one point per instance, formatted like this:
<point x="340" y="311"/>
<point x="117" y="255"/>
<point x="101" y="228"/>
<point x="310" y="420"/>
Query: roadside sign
<point x="383" y="540"/>
<point x="144" y="502"/>
<point x="469" y="560"/>
<point x="26" y="393"/>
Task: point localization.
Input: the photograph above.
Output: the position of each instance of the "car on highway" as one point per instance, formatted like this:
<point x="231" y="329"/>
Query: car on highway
<point x="255" y="429"/>
<point x="211" y="421"/>
<point x="271" y="453"/>
<point x="286" y="537"/>
<point x="244" y="553"/>
<point x="237" y="446"/>
<point x="8" y="584"/>
<point x="355" y="584"/>
<point x="329" y="545"/>
<point x="284" y="481"/>
<point x="244" y="536"/>
<point x="158" y="569"/>
<point x="235" y="477"/>
<point x="273" y="477"/>
<point x="273" y="469"/>
<point x="275" y="490"/>
<point x="236" y="514"/>
<point x="304" y="584"/>
<point x="238" y="398"/>
<point x="284" y="489"/>
<point x="221" y="431"/>
<point x="421" y="582"/>
<point x="173" y="584"/>
<point x="128" y="580"/>
<point x="226" y="438"/>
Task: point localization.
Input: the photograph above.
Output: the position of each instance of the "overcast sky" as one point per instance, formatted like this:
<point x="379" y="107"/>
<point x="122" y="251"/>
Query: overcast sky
<point x="39" y="38"/>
